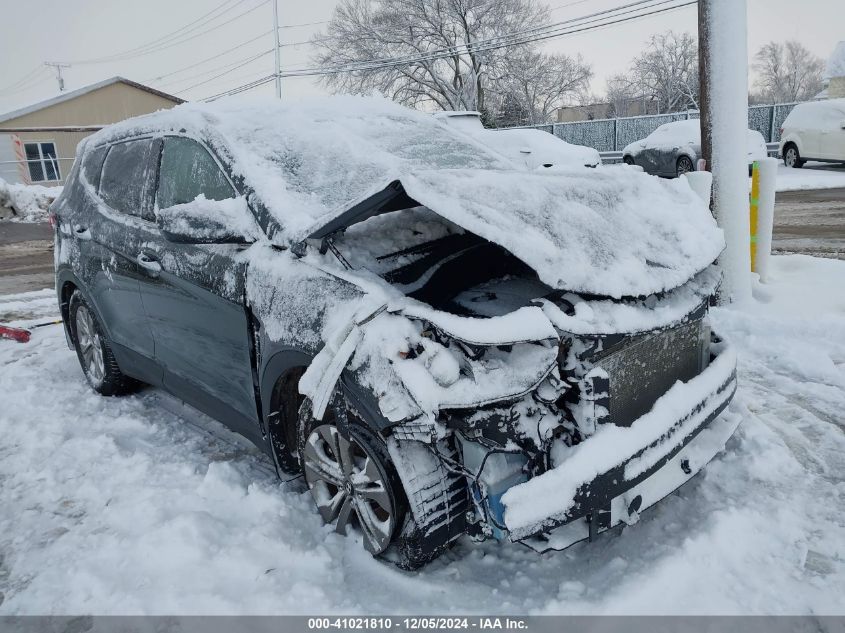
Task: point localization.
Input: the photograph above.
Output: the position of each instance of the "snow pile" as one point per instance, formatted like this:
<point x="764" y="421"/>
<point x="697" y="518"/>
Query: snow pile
<point x="29" y="203"/>
<point x="611" y="232"/>
<point x="140" y="505"/>
<point x="790" y="179"/>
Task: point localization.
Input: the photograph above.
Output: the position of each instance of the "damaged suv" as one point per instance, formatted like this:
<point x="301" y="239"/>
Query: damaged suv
<point x="441" y="341"/>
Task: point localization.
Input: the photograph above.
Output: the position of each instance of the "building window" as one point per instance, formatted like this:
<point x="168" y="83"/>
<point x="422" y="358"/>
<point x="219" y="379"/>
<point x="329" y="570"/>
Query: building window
<point x="42" y="162"/>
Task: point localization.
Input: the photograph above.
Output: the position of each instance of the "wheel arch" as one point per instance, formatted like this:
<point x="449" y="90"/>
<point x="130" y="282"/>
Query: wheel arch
<point x="287" y="363"/>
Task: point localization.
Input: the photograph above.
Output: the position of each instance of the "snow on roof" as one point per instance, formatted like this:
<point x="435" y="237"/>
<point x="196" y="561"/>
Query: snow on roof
<point x="73" y="94"/>
<point x="836" y="62"/>
<point x="613" y="233"/>
<point x="310" y="160"/>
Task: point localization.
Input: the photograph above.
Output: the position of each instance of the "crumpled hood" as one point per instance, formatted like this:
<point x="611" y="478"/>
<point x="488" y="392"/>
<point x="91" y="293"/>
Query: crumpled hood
<point x="613" y="232"/>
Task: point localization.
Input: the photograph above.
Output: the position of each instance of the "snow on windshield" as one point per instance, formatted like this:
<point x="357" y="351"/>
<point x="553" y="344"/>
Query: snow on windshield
<point x="309" y="159"/>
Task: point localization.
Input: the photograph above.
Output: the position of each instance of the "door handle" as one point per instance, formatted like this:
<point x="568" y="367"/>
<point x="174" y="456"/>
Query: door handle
<point x="81" y="232"/>
<point x="149" y="264"/>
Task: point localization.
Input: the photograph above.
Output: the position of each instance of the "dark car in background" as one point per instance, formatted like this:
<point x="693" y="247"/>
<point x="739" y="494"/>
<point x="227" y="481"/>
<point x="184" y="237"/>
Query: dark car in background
<point x="674" y="149"/>
<point x="440" y="340"/>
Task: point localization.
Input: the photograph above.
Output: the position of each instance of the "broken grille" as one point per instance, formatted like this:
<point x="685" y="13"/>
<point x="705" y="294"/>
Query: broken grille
<point x="642" y="368"/>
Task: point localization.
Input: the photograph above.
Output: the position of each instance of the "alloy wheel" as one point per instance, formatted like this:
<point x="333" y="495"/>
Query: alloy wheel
<point x="684" y="165"/>
<point x="791" y="157"/>
<point x="349" y="486"/>
<point x="90" y="347"/>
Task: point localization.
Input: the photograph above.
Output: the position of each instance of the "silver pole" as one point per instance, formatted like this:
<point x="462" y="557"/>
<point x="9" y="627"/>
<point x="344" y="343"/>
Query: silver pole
<point x="278" y="48"/>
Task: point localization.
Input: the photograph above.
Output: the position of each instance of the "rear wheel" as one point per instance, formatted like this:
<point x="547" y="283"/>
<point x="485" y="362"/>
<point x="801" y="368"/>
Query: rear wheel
<point x="791" y="157"/>
<point x="94" y="352"/>
<point x="684" y="165"/>
<point x="628" y="160"/>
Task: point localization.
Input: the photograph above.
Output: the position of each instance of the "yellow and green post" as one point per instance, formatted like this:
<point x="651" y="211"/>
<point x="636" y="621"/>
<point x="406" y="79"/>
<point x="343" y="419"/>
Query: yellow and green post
<point x="754" y="200"/>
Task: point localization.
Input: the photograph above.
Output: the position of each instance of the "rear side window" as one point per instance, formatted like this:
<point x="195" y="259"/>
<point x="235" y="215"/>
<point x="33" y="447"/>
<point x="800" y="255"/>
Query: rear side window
<point x="188" y="170"/>
<point x="126" y="175"/>
<point x="92" y="165"/>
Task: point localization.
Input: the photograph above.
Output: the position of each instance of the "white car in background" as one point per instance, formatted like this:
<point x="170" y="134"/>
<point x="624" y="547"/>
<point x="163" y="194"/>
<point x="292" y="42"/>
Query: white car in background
<point x="674" y="149"/>
<point x="528" y="147"/>
<point x="814" y="131"/>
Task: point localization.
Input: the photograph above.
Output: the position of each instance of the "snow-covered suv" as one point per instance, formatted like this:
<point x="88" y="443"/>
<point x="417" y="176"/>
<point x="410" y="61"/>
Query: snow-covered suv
<point x="441" y="341"/>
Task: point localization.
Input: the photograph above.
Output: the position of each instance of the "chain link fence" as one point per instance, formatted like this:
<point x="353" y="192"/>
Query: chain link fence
<point x="612" y="135"/>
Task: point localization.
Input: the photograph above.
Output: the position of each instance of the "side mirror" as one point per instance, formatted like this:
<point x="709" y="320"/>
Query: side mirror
<point x="206" y="221"/>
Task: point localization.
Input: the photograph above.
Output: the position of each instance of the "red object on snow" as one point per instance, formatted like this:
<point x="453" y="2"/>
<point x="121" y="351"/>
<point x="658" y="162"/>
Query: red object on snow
<point x="21" y="335"/>
<point x="15" y="334"/>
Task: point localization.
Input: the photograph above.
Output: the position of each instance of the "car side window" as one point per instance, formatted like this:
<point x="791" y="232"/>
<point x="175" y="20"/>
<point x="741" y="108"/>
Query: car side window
<point x="126" y="175"/>
<point x="187" y="171"/>
<point x="92" y="165"/>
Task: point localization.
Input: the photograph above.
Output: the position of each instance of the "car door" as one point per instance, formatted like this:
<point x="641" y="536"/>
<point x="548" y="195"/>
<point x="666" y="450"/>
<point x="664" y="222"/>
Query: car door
<point x="808" y="129"/>
<point x="193" y="295"/>
<point x="109" y="237"/>
<point x="833" y="137"/>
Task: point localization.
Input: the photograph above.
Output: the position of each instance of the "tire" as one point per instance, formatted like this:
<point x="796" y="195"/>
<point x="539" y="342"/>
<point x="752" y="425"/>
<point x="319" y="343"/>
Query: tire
<point x="350" y="475"/>
<point x="791" y="156"/>
<point x="683" y="166"/>
<point x="284" y="423"/>
<point x="94" y="352"/>
<point x="628" y="160"/>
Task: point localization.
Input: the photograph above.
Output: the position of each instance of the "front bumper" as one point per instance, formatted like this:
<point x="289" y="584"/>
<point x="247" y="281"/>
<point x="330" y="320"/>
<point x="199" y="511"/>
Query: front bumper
<point x="612" y="476"/>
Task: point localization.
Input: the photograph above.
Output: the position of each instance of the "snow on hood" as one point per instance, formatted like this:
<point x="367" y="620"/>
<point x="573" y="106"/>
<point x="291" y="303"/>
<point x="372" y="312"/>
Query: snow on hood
<point x="525" y="147"/>
<point x="611" y="232"/>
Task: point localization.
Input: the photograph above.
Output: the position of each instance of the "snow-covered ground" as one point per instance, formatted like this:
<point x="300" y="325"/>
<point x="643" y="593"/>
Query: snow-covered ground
<point x="141" y="505"/>
<point x="811" y="176"/>
<point x="26" y="203"/>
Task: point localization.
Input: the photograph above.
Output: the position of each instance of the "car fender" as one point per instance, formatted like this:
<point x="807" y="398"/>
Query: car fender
<point x="283" y="360"/>
<point x="65" y="275"/>
<point x="791" y="137"/>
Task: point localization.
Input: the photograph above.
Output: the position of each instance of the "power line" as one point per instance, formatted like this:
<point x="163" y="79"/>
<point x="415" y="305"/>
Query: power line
<point x="240" y="65"/>
<point x="208" y="59"/>
<point x="248" y="86"/>
<point x="21" y="83"/>
<point x="293" y="26"/>
<point x="177" y="33"/>
<point x="577" y="25"/>
<point x="147" y="50"/>
<point x="517" y="38"/>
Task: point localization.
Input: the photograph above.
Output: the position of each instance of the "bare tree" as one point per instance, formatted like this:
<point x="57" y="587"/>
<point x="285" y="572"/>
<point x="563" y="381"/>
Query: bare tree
<point x="621" y="93"/>
<point x="786" y="72"/>
<point x="667" y="71"/>
<point x="364" y="30"/>
<point x="536" y="84"/>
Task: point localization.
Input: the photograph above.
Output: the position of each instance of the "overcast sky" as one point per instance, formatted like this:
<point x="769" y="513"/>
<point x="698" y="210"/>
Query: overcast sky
<point x="36" y="31"/>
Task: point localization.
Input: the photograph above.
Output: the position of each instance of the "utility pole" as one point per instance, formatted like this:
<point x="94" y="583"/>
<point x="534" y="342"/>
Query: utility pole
<point x="57" y="66"/>
<point x="278" y="49"/>
<point x="704" y="84"/>
<point x="724" y="128"/>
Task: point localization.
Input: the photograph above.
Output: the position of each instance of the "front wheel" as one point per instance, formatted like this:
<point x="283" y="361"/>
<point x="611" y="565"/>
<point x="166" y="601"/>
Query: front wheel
<point x="628" y="160"/>
<point x="351" y="477"/>
<point x="684" y="166"/>
<point x="791" y="157"/>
